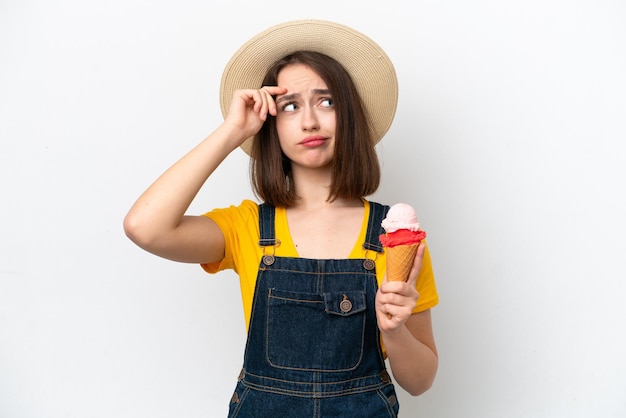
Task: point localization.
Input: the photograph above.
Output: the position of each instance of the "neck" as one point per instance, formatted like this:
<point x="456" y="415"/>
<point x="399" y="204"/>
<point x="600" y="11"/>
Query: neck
<point x="312" y="187"/>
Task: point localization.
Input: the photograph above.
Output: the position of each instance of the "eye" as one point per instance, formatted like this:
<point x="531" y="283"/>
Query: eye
<point x="289" y="107"/>
<point x="327" y="102"/>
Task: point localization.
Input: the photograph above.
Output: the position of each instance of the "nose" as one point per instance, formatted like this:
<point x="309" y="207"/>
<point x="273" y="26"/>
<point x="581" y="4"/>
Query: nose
<point x="310" y="121"/>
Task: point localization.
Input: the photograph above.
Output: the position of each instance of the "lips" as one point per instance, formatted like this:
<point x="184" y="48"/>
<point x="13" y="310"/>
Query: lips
<point x="313" y="141"/>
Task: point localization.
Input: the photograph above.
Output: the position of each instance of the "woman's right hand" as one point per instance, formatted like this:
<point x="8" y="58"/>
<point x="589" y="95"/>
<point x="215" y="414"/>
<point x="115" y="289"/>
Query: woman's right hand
<point x="249" y="109"/>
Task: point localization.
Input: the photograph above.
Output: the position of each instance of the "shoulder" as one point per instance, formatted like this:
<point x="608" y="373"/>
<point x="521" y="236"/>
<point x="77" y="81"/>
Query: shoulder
<point x="235" y="215"/>
<point x="244" y="209"/>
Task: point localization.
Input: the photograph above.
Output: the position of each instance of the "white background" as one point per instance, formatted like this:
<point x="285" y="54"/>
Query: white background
<point x="508" y="140"/>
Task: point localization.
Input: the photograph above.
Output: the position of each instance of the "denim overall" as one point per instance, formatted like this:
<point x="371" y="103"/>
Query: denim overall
<point x="313" y="346"/>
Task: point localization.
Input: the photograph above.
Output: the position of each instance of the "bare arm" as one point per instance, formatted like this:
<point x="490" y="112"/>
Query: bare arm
<point x="157" y="221"/>
<point x="408" y="337"/>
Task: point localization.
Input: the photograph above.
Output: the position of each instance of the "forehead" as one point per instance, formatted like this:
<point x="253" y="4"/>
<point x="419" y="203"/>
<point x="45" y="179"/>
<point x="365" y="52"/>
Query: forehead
<point x="299" y="75"/>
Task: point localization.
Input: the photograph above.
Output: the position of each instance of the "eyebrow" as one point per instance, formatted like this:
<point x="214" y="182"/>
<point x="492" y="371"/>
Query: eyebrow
<point x="289" y="97"/>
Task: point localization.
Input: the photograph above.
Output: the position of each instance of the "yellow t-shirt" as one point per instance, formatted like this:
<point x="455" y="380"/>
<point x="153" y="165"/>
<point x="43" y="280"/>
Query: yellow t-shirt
<point x="240" y="226"/>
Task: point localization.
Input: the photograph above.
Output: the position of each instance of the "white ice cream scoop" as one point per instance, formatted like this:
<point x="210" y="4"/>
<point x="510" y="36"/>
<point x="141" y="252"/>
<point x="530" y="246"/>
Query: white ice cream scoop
<point x="400" y="216"/>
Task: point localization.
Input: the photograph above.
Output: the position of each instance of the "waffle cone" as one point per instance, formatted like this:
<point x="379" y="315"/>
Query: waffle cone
<point x="399" y="261"/>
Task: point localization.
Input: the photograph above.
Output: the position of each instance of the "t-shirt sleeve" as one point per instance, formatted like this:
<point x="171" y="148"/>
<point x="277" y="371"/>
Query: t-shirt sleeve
<point x="238" y="224"/>
<point x="425" y="285"/>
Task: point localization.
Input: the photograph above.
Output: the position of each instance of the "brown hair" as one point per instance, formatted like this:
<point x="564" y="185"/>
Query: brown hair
<point x="356" y="169"/>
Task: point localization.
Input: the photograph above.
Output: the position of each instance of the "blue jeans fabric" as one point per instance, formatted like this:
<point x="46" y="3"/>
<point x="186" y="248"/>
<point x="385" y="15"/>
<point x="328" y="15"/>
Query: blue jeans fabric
<point x="313" y="346"/>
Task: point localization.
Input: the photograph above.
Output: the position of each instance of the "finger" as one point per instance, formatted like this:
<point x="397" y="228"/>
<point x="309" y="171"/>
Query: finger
<point x="391" y="288"/>
<point x="269" y="105"/>
<point x="265" y="101"/>
<point x="394" y="316"/>
<point x="386" y="311"/>
<point x="244" y="97"/>
<point x="272" y="91"/>
<point x="258" y="97"/>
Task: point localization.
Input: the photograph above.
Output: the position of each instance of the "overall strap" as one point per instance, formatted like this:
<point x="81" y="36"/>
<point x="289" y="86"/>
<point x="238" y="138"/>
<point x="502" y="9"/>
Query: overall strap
<point x="267" y="216"/>
<point x="374" y="227"/>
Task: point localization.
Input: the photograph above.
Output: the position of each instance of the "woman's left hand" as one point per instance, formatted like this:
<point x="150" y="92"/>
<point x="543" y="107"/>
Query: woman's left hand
<point x="395" y="300"/>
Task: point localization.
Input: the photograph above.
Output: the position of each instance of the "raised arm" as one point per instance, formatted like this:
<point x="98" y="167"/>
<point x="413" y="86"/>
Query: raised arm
<point x="157" y="221"/>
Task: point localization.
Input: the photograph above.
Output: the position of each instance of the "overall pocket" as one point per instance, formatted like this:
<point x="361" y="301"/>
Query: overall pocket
<point x="308" y="331"/>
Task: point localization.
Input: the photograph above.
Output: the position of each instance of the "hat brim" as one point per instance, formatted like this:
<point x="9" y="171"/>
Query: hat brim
<point x="367" y="63"/>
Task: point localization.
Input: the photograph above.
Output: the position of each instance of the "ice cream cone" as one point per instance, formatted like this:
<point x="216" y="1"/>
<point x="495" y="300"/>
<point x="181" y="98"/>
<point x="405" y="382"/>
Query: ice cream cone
<point x="399" y="261"/>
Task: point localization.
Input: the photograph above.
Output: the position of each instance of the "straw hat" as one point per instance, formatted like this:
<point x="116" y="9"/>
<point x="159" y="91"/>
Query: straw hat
<point x="369" y="66"/>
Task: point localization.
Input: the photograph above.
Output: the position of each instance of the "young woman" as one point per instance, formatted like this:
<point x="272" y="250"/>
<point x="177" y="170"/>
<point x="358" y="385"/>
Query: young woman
<point x="321" y="315"/>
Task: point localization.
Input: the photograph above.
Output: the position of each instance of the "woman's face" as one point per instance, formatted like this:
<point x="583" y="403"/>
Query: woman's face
<point x="305" y="119"/>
